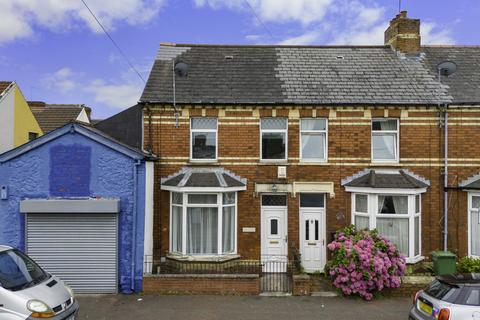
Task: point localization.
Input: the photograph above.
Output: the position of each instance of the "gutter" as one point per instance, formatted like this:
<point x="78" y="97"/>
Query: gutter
<point x="134" y="228"/>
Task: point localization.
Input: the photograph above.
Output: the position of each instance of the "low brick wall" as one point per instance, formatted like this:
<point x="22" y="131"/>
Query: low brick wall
<point x="302" y="285"/>
<point x="410" y="285"/>
<point x="235" y="284"/>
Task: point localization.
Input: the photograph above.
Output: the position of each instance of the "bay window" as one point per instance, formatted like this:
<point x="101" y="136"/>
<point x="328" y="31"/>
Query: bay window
<point x="385" y="140"/>
<point x="313" y="139"/>
<point x="397" y="217"/>
<point x="203" y="224"/>
<point x="273" y="139"/>
<point x="474" y="224"/>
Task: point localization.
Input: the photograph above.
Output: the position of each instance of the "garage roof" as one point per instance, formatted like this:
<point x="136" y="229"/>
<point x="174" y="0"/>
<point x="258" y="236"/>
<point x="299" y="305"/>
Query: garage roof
<point x="83" y="129"/>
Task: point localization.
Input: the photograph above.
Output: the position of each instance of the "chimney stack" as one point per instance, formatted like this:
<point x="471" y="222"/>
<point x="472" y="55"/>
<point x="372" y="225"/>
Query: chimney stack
<point x="403" y="34"/>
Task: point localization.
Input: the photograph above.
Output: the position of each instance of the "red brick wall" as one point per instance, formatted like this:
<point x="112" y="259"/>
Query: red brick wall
<point x="202" y="284"/>
<point x="421" y="151"/>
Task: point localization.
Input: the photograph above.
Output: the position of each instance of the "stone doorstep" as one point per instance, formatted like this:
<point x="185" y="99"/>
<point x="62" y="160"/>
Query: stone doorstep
<point x="325" y="294"/>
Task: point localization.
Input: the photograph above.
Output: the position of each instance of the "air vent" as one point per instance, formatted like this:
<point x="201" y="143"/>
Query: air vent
<point x="340" y="57"/>
<point x="228" y="57"/>
<point x="282" y="172"/>
<point x="51" y="283"/>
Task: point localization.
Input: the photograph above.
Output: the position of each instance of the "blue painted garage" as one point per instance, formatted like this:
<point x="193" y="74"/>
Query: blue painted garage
<point x="79" y="203"/>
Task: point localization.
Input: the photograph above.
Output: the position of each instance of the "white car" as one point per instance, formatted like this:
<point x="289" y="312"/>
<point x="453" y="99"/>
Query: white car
<point x="28" y="292"/>
<point x="450" y="297"/>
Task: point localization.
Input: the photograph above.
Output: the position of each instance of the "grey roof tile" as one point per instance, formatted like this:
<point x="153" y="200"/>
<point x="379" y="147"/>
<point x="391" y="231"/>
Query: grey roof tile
<point x="401" y="179"/>
<point x="298" y="75"/>
<point x="204" y="177"/>
<point x="463" y="85"/>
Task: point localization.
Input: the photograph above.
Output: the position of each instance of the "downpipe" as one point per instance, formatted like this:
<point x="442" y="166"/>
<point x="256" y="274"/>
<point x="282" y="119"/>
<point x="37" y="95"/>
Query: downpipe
<point x="445" y="183"/>
<point x="134" y="231"/>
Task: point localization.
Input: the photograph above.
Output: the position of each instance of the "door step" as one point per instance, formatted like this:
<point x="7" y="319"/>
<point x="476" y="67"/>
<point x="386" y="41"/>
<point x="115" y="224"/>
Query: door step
<point x="275" y="294"/>
<point x="326" y="294"/>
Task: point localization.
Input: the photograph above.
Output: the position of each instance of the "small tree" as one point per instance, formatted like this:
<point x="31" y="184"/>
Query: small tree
<point x="363" y="262"/>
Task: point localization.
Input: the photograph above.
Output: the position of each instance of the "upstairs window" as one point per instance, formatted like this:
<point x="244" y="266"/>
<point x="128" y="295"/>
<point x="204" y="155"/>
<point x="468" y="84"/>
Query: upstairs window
<point x="385" y="140"/>
<point x="313" y="139"/>
<point x="203" y="137"/>
<point x="273" y="139"/>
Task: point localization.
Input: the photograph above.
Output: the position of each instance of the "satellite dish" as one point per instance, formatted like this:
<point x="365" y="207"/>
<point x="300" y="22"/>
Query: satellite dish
<point x="447" y="68"/>
<point x="181" y="69"/>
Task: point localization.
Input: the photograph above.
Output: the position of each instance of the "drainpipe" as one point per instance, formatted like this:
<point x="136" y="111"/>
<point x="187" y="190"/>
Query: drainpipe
<point x="134" y="231"/>
<point x="445" y="183"/>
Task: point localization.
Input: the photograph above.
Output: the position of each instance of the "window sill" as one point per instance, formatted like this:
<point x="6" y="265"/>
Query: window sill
<point x="273" y="162"/>
<point x="385" y="164"/>
<point x="202" y="162"/>
<point x="211" y="258"/>
<point x="415" y="259"/>
<point x="313" y="162"/>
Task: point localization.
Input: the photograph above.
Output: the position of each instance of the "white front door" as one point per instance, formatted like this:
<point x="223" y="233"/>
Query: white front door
<point x="274" y="231"/>
<point x="312" y="232"/>
<point x="312" y="239"/>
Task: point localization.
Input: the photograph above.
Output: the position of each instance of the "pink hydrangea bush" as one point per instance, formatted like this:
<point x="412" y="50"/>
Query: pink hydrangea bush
<point x="363" y="263"/>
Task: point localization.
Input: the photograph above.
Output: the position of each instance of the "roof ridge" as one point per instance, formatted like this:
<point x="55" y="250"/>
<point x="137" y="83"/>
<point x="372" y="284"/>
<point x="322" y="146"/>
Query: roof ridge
<point x="209" y="45"/>
<point x="451" y="46"/>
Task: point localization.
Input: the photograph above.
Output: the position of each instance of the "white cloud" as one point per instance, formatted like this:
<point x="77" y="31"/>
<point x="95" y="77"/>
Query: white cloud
<point x="61" y="80"/>
<point x="19" y="18"/>
<point x="361" y="36"/>
<point x="304" y="39"/>
<point x="118" y="95"/>
<point x="303" y="11"/>
<point x="339" y="22"/>
<point x="432" y="34"/>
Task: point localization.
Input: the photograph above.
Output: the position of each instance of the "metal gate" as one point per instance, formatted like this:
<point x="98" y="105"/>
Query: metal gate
<point x="81" y="249"/>
<point x="276" y="276"/>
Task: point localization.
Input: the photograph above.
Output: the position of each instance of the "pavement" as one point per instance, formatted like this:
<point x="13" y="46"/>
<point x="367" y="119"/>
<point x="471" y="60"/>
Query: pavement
<point x="138" y="307"/>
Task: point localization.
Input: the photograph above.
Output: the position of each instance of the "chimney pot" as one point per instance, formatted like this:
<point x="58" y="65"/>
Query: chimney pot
<point x="403" y="34"/>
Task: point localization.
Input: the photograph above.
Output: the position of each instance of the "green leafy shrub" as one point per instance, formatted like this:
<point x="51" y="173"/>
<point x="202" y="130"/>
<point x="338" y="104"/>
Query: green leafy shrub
<point x="469" y="265"/>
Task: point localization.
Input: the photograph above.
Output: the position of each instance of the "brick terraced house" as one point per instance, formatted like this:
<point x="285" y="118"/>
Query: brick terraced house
<point x="265" y="151"/>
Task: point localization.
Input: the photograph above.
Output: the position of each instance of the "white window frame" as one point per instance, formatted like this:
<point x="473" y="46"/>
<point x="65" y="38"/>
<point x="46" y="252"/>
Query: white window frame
<point x="192" y="131"/>
<point x="372" y="206"/>
<point x="171" y="220"/>
<point x="397" y="141"/>
<point x="359" y="213"/>
<point x="314" y="132"/>
<point x="219" y="205"/>
<point x="274" y="131"/>
<point x="470" y="209"/>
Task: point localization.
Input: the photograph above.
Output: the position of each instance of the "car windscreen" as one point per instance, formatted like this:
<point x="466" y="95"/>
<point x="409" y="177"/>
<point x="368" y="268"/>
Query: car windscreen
<point x="443" y="291"/>
<point x="17" y="271"/>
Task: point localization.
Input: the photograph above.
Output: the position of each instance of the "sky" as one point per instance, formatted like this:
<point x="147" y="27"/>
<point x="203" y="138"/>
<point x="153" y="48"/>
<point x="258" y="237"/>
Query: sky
<point x="57" y="52"/>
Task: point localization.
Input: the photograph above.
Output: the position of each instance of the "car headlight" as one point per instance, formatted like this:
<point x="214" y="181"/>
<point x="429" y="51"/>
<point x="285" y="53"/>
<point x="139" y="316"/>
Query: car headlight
<point x="39" y="309"/>
<point x="70" y="291"/>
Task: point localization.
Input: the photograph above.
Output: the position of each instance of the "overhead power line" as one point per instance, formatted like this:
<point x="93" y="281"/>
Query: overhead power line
<point x="259" y="20"/>
<point x="113" y="41"/>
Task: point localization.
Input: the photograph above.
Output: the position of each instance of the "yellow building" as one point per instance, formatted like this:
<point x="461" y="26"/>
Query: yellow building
<point x="17" y="122"/>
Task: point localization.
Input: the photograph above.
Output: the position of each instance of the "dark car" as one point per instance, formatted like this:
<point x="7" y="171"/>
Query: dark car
<point x="449" y="297"/>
